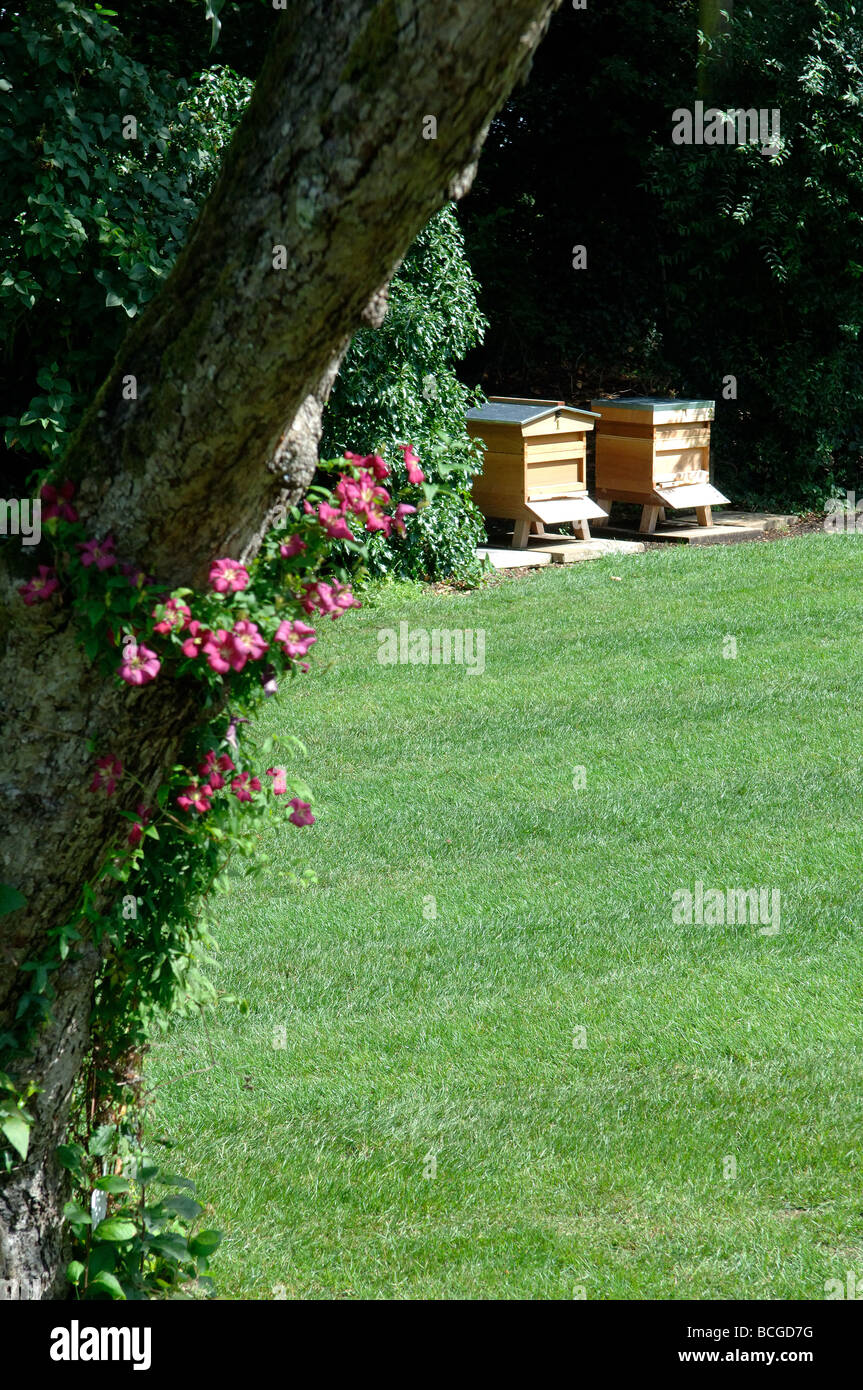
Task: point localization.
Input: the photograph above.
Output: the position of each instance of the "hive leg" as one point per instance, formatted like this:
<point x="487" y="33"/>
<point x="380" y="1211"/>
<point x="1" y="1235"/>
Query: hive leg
<point x="603" y="502"/>
<point x="705" y="516"/>
<point x="520" y="535"/>
<point x="583" y="527"/>
<point x="649" y="518"/>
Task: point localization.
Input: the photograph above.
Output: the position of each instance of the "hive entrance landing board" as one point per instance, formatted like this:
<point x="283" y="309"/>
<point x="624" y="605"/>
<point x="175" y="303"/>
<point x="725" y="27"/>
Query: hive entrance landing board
<point x="691" y="495"/>
<point x="554" y="513"/>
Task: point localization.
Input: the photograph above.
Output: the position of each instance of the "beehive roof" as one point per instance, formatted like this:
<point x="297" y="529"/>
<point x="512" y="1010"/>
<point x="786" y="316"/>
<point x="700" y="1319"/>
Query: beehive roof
<point x="652" y="403"/>
<point x="521" y="413"/>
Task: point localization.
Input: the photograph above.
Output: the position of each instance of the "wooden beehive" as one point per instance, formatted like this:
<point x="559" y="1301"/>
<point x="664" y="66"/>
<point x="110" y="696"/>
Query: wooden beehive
<point x="656" y="451"/>
<point x="535" y="465"/>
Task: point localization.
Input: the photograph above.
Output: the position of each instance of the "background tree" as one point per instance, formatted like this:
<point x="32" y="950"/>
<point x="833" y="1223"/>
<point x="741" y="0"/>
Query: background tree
<point x="703" y="263"/>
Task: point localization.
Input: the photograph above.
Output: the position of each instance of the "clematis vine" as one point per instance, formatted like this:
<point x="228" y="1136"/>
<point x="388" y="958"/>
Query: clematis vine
<point x="266" y="629"/>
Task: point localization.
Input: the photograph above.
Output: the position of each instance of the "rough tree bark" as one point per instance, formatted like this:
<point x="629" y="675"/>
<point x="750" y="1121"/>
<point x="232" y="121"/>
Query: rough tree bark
<point x="233" y="362"/>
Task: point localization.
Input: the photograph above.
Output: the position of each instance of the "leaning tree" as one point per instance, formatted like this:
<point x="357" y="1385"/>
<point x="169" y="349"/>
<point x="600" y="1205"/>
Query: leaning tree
<point x="368" y="115"/>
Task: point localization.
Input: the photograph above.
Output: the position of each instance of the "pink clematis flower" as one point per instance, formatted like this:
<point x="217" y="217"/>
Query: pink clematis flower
<point x="243" y="785"/>
<point x="415" y="474"/>
<point x="278" y="775"/>
<point x="223" y="762"/>
<point x="295" y="638"/>
<point x="334" y="523"/>
<point x="40" y="587"/>
<point x="195" y="798"/>
<point x="133" y="574"/>
<point x="219" y="650"/>
<point x="231" y="731"/>
<point x="402" y="510"/>
<point x="139" y="665"/>
<point x="362" y="496"/>
<point x="98" y="553"/>
<point x="56" y="502"/>
<point x="302" y="812"/>
<point x="136" y="833"/>
<point x="372" y="461"/>
<point x="228" y="576"/>
<point x="209" y="768"/>
<point x="328" y="599"/>
<point x="248" y="643"/>
<point x="379" y="521"/>
<point x="108" y="770"/>
<point x="198" y="635"/>
<point x="293" y="546"/>
<point x="177" y="614"/>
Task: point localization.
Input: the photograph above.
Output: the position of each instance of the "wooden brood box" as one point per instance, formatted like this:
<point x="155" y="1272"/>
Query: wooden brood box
<point x="535" y="465"/>
<point x="656" y="451"/>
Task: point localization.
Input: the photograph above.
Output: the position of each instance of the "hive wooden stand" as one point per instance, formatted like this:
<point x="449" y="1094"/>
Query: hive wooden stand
<point x="535" y="465"/>
<point x="655" y="450"/>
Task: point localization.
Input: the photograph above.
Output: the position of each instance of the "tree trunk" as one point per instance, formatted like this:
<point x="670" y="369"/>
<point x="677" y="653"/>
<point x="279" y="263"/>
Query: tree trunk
<point x="233" y="362"/>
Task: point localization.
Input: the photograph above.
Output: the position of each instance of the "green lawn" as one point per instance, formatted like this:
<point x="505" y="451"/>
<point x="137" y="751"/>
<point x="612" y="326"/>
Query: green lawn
<point x="408" y="1034"/>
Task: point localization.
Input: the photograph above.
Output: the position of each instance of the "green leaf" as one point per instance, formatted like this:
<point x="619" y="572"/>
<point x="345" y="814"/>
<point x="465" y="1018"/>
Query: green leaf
<point x="177" y="1180"/>
<point x="107" y="1283"/>
<point x="71" y="1156"/>
<point x="113" y="1183"/>
<point x="76" y="1215"/>
<point x="10" y="899"/>
<point x="183" y="1206"/>
<point x="146" y="1170"/>
<point x="212" y="13"/>
<point x="115" y="1228"/>
<point x="172" y="1245"/>
<point x="74" y="1272"/>
<point x="103" y="1258"/>
<point x="17" y="1131"/>
<point x="205" y="1242"/>
<point x="102" y="1140"/>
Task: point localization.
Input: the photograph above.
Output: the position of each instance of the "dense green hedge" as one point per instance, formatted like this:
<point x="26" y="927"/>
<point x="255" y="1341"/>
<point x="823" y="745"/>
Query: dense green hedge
<point x="399" y="383"/>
